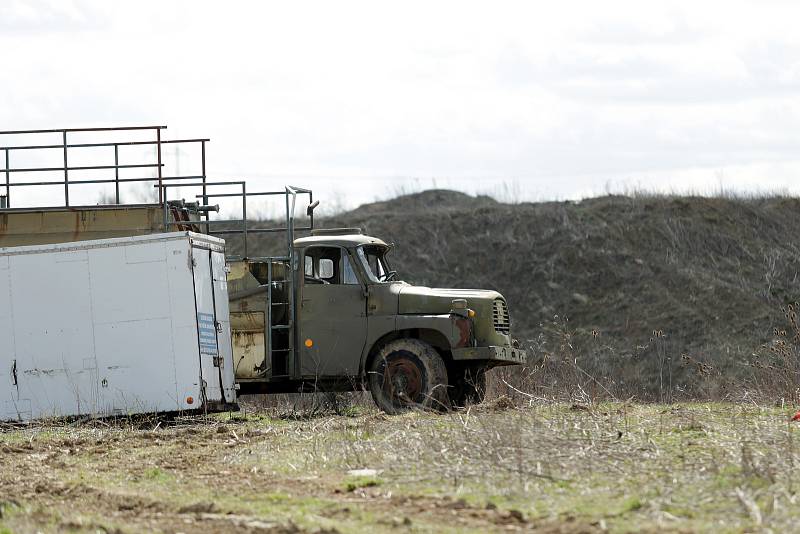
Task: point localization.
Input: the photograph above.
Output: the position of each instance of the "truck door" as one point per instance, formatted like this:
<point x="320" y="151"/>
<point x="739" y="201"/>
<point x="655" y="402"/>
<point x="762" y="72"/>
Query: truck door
<point x="207" y="325"/>
<point x="332" y="314"/>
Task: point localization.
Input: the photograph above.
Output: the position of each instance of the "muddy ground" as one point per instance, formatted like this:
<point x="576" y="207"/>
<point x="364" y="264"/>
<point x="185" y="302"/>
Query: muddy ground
<point x="497" y="467"/>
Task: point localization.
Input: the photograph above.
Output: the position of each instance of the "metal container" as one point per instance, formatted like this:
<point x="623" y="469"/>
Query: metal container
<point x="115" y="326"/>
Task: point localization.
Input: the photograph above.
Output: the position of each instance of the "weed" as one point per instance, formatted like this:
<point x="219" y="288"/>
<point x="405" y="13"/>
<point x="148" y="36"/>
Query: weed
<point x="155" y="474"/>
<point x="355" y="483"/>
<point x="631" y="505"/>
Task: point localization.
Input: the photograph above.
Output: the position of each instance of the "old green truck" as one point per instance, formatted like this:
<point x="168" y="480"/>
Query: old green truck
<point x="325" y="313"/>
<point x="357" y="324"/>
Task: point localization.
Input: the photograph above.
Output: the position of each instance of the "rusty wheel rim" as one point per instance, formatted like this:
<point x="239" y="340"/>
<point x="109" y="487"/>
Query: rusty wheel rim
<point x="402" y="380"/>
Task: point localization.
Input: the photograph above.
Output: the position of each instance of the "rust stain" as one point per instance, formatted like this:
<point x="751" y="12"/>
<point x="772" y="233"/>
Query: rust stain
<point x="247" y="322"/>
<point x="464" y="326"/>
<point x="76" y="227"/>
<point x="249" y="353"/>
<point x="244" y="339"/>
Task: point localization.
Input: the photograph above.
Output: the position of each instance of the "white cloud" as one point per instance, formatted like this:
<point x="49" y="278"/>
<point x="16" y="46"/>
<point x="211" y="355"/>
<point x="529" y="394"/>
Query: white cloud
<point x="42" y="16"/>
<point x="557" y="98"/>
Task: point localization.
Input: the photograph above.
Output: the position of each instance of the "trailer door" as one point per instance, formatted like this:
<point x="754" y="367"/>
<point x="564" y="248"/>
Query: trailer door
<point x="9" y="374"/>
<point x="207" y="325"/>
<point x="220" y="276"/>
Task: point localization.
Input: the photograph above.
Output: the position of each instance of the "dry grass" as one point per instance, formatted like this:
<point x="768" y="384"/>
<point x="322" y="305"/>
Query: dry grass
<point x="499" y="466"/>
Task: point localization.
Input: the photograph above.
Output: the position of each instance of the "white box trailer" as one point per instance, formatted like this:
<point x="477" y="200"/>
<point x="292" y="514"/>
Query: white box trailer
<point x="115" y="326"/>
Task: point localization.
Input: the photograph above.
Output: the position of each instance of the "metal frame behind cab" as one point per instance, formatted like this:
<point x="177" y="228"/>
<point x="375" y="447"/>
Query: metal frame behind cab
<point x="241" y="226"/>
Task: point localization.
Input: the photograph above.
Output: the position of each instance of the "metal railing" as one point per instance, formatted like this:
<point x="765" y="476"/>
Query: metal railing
<point x="241" y="226"/>
<point x="66" y="148"/>
<point x="162" y="183"/>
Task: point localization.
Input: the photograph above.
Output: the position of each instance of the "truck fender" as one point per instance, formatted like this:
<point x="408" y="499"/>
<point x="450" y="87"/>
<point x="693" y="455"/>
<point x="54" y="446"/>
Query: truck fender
<point x="440" y="331"/>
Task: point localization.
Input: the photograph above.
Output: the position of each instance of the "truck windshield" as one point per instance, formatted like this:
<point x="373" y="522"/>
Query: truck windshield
<point x="373" y="257"/>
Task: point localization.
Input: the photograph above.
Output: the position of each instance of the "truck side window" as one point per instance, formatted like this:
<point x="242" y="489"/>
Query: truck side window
<point x="348" y="273"/>
<point x="328" y="265"/>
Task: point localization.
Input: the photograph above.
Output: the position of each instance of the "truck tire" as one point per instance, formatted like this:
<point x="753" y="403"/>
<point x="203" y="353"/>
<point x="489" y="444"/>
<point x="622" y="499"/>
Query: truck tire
<point x="408" y="374"/>
<point x="468" y="386"/>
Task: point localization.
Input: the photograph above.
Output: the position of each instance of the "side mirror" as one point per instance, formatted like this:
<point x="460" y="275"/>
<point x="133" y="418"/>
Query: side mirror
<point x="311" y="207"/>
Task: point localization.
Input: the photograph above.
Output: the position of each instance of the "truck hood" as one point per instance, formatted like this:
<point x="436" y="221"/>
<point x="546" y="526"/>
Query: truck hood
<point x="426" y="300"/>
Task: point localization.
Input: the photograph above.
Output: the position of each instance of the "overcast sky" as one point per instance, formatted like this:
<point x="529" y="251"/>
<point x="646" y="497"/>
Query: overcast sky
<point x="362" y="100"/>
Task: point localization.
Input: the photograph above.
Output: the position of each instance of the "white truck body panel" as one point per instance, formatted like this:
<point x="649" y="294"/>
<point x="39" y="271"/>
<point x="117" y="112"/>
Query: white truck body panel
<point x="115" y="326"/>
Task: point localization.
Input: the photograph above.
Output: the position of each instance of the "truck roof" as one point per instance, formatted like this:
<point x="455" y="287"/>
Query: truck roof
<point x="345" y="240"/>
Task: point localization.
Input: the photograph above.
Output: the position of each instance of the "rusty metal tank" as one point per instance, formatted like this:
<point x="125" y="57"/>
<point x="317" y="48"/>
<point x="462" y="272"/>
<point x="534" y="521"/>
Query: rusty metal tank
<point x="250" y="310"/>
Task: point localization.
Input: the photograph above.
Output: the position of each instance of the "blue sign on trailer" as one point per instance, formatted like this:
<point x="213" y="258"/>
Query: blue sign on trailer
<point x="207" y="329"/>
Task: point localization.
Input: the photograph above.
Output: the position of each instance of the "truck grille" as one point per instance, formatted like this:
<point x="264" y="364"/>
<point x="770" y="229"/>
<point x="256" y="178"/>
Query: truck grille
<point x="502" y="322"/>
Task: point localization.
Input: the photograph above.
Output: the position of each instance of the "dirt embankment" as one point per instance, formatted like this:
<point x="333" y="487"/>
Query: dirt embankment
<point x="708" y="275"/>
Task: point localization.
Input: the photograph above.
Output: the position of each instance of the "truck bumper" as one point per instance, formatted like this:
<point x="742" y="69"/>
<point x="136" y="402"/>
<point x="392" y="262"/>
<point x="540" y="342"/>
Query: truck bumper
<point x="503" y="354"/>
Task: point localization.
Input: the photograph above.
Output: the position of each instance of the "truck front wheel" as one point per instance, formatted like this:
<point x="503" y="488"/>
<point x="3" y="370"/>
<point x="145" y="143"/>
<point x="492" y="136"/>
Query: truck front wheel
<point x="406" y="374"/>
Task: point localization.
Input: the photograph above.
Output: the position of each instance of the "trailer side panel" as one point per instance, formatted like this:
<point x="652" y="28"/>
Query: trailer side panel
<point x="105" y="327"/>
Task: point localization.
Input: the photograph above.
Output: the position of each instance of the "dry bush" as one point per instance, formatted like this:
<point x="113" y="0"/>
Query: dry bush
<point x="575" y="365"/>
<point x="776" y="365"/>
<point x="309" y="405"/>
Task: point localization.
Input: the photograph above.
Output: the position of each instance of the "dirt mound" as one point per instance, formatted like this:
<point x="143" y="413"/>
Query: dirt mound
<point x="708" y="270"/>
<point x="701" y="276"/>
<point x="426" y="202"/>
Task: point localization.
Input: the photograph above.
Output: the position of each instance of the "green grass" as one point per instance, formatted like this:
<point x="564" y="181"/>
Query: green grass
<point x="354" y="483"/>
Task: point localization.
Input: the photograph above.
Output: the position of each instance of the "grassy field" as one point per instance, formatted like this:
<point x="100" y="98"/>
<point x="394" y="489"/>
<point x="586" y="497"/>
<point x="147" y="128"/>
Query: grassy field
<point x="495" y="467"/>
